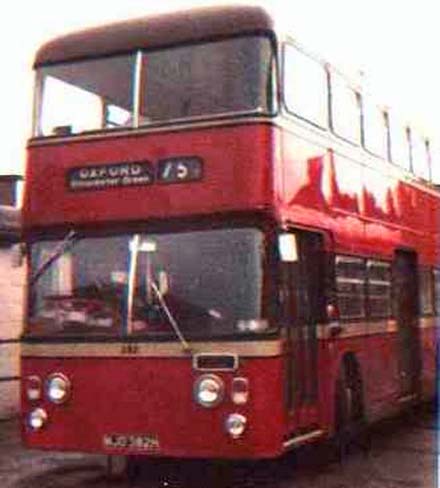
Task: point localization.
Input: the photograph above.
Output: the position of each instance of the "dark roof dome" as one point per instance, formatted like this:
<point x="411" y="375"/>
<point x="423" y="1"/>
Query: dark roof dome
<point x="156" y="31"/>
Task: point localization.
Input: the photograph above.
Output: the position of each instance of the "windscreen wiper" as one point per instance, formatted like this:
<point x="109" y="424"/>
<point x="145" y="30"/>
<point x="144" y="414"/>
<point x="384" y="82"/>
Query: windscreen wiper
<point x="185" y="345"/>
<point x="61" y="248"/>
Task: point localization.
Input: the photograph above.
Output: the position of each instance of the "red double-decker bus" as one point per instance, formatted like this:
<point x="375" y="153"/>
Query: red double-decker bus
<point x="232" y="251"/>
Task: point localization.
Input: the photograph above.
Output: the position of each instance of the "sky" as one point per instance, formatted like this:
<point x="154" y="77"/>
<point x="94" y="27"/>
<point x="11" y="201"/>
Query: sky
<point x="394" y="44"/>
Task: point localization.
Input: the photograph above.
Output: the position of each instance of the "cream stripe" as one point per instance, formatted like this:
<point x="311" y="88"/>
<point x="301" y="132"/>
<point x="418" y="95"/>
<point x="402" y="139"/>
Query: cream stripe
<point x="428" y="322"/>
<point x="175" y="126"/>
<point x="156" y="350"/>
<point x="356" y="329"/>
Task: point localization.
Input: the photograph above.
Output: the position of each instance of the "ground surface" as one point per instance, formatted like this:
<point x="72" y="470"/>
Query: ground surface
<point x="402" y="454"/>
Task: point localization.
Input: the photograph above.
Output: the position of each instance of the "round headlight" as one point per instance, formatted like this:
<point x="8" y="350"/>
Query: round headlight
<point x="32" y="387"/>
<point x="209" y="390"/>
<point x="235" y="425"/>
<point x="37" y="419"/>
<point x="57" y="388"/>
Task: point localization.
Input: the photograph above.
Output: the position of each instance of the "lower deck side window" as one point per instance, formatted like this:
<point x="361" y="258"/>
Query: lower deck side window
<point x="363" y="287"/>
<point x="350" y="287"/>
<point x="379" y="289"/>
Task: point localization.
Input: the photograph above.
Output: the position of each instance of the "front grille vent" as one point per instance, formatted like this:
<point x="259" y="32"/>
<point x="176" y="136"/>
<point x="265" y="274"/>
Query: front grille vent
<point x="215" y="362"/>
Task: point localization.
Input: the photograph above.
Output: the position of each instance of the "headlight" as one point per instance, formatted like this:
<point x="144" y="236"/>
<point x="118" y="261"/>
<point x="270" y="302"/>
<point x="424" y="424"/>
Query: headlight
<point x="32" y="388"/>
<point x="235" y="425"/>
<point x="209" y="390"/>
<point x="57" y="388"/>
<point x="37" y="419"/>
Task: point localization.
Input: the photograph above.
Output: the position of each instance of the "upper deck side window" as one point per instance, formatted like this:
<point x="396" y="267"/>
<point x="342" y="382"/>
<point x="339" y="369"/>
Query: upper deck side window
<point x="410" y="151"/>
<point x="400" y="148"/>
<point x="231" y="76"/>
<point x="375" y="129"/>
<point x="420" y="156"/>
<point x="345" y="109"/>
<point x="305" y="86"/>
<point x="434" y="159"/>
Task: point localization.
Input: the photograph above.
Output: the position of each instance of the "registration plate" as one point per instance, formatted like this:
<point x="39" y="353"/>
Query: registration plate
<point x="146" y="442"/>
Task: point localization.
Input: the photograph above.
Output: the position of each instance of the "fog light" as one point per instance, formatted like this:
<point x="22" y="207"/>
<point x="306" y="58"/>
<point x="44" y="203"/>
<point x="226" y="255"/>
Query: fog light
<point x="32" y="387"/>
<point x="57" y="388"/>
<point x="37" y="419"/>
<point x="235" y="425"/>
<point x="209" y="390"/>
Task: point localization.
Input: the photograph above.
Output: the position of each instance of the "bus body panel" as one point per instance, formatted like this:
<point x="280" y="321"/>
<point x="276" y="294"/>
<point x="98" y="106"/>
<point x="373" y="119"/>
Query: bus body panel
<point x="154" y="396"/>
<point x="300" y="181"/>
<point x="361" y="203"/>
<point x="237" y="169"/>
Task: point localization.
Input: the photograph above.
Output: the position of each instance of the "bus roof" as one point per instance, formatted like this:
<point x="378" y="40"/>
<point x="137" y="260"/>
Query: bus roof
<point x="156" y="31"/>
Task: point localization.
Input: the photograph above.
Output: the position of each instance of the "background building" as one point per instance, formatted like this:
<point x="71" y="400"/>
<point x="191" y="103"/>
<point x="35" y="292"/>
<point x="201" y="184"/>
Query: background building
<point x="11" y="296"/>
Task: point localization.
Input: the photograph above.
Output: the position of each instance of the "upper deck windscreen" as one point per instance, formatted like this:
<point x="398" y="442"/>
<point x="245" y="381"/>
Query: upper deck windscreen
<point x="178" y="83"/>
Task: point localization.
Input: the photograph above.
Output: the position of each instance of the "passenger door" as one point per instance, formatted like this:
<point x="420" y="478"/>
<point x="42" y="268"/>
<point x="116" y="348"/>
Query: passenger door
<point x="406" y="312"/>
<point x="304" y="305"/>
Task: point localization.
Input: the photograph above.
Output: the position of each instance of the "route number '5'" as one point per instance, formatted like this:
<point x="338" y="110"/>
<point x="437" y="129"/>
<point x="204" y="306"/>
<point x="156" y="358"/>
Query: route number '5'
<point x="175" y="170"/>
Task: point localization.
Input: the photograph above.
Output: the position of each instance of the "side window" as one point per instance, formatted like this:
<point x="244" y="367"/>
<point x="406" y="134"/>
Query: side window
<point x="379" y="289"/>
<point x="419" y="156"/>
<point x="434" y="157"/>
<point x="400" y="149"/>
<point x="437" y="291"/>
<point x="375" y="129"/>
<point x="344" y="109"/>
<point x="350" y="286"/>
<point x="426" y="289"/>
<point x="305" y="86"/>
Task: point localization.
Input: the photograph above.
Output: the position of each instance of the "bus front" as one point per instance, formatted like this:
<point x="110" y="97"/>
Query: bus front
<point x="151" y="321"/>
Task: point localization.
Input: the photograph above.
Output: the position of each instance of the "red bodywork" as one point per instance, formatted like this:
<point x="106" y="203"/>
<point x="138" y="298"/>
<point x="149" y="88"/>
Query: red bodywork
<point x="155" y="396"/>
<point x="237" y="176"/>
<point x="248" y="167"/>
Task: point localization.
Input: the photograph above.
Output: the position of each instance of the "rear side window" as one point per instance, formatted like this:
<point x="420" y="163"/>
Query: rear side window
<point x="437" y="291"/>
<point x="305" y="86"/>
<point x="426" y="292"/>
